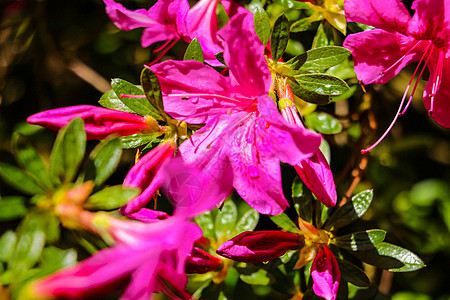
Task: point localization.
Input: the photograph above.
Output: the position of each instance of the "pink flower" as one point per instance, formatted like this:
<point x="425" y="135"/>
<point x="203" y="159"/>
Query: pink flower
<point x="200" y="262"/>
<point x="260" y="246"/>
<point x="325" y="274"/>
<point x="171" y="20"/>
<point x="146" y="176"/>
<point x="380" y="54"/>
<point x="244" y="131"/>
<point x="99" y="122"/>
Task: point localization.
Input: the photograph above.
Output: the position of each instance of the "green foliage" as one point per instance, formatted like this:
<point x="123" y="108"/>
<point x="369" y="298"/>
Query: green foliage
<point x="262" y="23"/>
<point x="279" y="37"/>
<point x="194" y="51"/>
<point x="323" y="123"/>
<point x="283" y="221"/>
<point x="111" y="198"/>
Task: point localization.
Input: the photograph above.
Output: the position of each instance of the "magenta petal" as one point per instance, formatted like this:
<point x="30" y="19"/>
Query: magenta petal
<point x="99" y="122"/>
<point x="390" y="15"/>
<point x="374" y="51"/>
<point x="259" y="246"/>
<point x="148" y="215"/>
<point x="325" y="274"/>
<point x="127" y="19"/>
<point x="316" y="174"/>
<point x="201" y="262"/>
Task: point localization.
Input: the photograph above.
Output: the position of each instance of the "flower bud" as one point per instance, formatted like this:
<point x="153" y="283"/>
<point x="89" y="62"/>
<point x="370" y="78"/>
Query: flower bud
<point x="201" y="262"/>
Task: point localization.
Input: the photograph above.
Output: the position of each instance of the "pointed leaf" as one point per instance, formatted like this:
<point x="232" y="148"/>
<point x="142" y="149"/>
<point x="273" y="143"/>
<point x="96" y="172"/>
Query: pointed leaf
<point x="139" y="139"/>
<point x="7" y="245"/>
<point x="20" y="180"/>
<point x="319" y="59"/>
<point x="112" y="101"/>
<point x="392" y="257"/>
<point x="323" y="123"/>
<point x="225" y="220"/>
<point x="303" y="200"/>
<point x="140" y="106"/>
<point x="279" y="38"/>
<point x="283" y="221"/>
<point x="262" y="23"/>
<point x="12" y="207"/>
<point x="322" y="84"/>
<point x="306" y="23"/>
<point x="247" y="222"/>
<point x="194" y="51"/>
<point x="307" y="95"/>
<point x="219" y="57"/>
<point x="323" y="36"/>
<point x="111" y="198"/>
<point x="260" y="277"/>
<point x="54" y="259"/>
<point x="352" y="273"/>
<point x="351" y="211"/>
<point x="152" y="89"/>
<point x="28" y="159"/>
<point x="206" y="223"/>
<point x="363" y="240"/>
<point x="103" y="161"/>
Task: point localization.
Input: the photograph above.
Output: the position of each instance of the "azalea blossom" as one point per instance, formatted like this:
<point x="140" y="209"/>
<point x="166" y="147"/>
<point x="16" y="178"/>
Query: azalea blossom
<point x="244" y="131"/>
<point x="99" y="122"/>
<point x="325" y="273"/>
<point x="171" y="21"/>
<point x="399" y="40"/>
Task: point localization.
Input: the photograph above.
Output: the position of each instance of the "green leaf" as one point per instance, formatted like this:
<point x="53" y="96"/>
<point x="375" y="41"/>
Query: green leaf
<point x="363" y="240"/>
<point x="323" y="123"/>
<point x="260" y="277"/>
<point x="103" y="161"/>
<point x="322" y="84"/>
<point x="152" y="89"/>
<point x="225" y="220"/>
<point x="20" y="180"/>
<point x="279" y="38"/>
<point x="247" y="222"/>
<point x="283" y="221"/>
<point x="194" y="51"/>
<point x="262" y="23"/>
<point x="111" y="198"/>
<point x="206" y="223"/>
<point x="322" y="37"/>
<point x="392" y="257"/>
<point x="219" y="57"/>
<point x="306" y="23"/>
<point x="54" y="259"/>
<point x="319" y="59"/>
<point x="12" y="207"/>
<point x="68" y="150"/>
<point x="112" y="101"/>
<point x="303" y="200"/>
<point x="140" y="106"/>
<point x="352" y="273"/>
<point x="139" y="139"/>
<point x="28" y="159"/>
<point x="7" y="245"/>
<point x="292" y="4"/>
<point x="307" y="95"/>
<point x="351" y="211"/>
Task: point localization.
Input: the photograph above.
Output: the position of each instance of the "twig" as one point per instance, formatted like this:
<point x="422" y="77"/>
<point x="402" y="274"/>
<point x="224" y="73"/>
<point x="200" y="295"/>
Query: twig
<point x="386" y="282"/>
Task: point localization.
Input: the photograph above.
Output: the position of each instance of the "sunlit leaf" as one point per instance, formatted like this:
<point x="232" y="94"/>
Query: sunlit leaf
<point x="260" y="277"/>
<point x="322" y="84"/>
<point x="363" y="240"/>
<point x="319" y="59"/>
<point x="283" y="221"/>
<point x="262" y="23"/>
<point x="225" y="220"/>
<point x="7" y="245"/>
<point x="111" y="197"/>
<point x="12" y="207"/>
<point x="139" y="139"/>
<point x="206" y="223"/>
<point x="112" y="101"/>
<point x="247" y="222"/>
<point x="194" y="51"/>
<point x="323" y="123"/>
<point x="103" y="161"/>
<point x="279" y="37"/>
<point x="19" y="179"/>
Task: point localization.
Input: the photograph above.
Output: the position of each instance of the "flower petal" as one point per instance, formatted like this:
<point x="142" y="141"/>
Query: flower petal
<point x="390" y="15"/>
<point x="126" y="19"/>
<point x="374" y="51"/>
<point x="325" y="274"/>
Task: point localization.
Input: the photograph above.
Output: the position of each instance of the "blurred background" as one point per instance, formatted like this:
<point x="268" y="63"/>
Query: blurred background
<point x="61" y="53"/>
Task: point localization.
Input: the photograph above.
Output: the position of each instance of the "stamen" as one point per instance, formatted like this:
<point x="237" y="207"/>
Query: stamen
<point x="173" y="42"/>
<point x="437" y="81"/>
<point x="398" y="61"/>
<point x="162" y="47"/>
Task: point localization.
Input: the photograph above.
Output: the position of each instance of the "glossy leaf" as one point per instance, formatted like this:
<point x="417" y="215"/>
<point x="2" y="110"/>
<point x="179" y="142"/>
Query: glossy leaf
<point x="352" y="274"/>
<point x="351" y="211"/>
<point x="303" y="200"/>
<point x="247" y="222"/>
<point x="292" y="4"/>
<point x="323" y="36"/>
<point x="363" y="240"/>
<point x="391" y="257"/>
<point x="322" y="84"/>
<point x="194" y="51"/>
<point x="225" y="220"/>
<point x="319" y="59"/>
<point x="139" y="139"/>
<point x="260" y="277"/>
<point x="279" y="37"/>
<point x="140" y="106"/>
<point x="305" y="23"/>
<point x="307" y="95"/>
<point x="206" y="223"/>
<point x="19" y="179"/>
<point x="111" y="197"/>
<point x="103" y="161"/>
<point x="283" y="221"/>
<point x="323" y="123"/>
<point x="12" y="207"/>
<point x="7" y="245"/>
<point x="28" y="159"/>
<point x="68" y="150"/>
<point x="112" y="101"/>
<point x="152" y="89"/>
<point x="262" y="23"/>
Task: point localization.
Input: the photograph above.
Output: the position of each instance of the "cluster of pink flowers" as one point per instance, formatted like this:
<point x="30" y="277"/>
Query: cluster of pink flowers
<point x="240" y="145"/>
